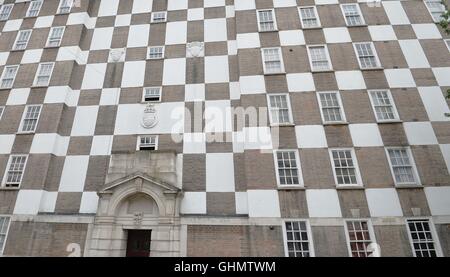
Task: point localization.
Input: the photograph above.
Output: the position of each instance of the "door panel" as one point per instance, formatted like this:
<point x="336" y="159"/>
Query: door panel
<point x="138" y="244"/>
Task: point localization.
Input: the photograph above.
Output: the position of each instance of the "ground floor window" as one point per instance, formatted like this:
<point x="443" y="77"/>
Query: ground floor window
<point x="297" y="239"/>
<point x="4" y="225"/>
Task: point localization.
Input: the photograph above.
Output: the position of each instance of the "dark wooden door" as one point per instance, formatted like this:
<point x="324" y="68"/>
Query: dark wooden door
<point x="138" y="244"/>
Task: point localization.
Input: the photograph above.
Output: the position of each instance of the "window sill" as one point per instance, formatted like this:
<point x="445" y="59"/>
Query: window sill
<point x="160" y="22"/>
<point x="51" y="47"/>
<point x="39" y="86"/>
<point x="6" y="88"/>
<point x="155" y="59"/>
<point x="150" y="102"/>
<point x="18" y="50"/>
<point x="275" y="73"/>
<point x="372" y="68"/>
<point x="311" y="28"/>
<point x="412" y="186"/>
<point x="25" y="133"/>
<point x="335" y="123"/>
<point x="322" y="71"/>
<point x="290" y="187"/>
<point x="9" y="189"/>
<point x="282" y="124"/>
<point x="390" y="121"/>
<point x="269" y="31"/>
<point x="349" y="187"/>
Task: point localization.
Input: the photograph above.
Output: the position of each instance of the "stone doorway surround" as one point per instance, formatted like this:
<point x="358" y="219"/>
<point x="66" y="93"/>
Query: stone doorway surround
<point x="138" y="201"/>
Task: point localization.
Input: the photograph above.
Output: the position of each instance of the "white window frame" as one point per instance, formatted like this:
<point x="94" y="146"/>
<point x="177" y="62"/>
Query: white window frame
<point x="152" y="20"/>
<point x="431" y="12"/>
<point x="358" y="8"/>
<point x="36" y="77"/>
<point x="47" y="44"/>
<point x="280" y="55"/>
<point x="144" y="92"/>
<point x="162" y="53"/>
<point x="288" y="101"/>
<point x="5" y="177"/>
<point x="309" y="233"/>
<point x="70" y="6"/>
<point x="138" y="145"/>
<point x="347" y="234"/>
<point x="13" y="79"/>
<point x="341" y="108"/>
<point x="319" y="24"/>
<point x="20" y="131"/>
<point x="4" y="6"/>
<point x="327" y="55"/>
<point x="436" y="241"/>
<point x="30" y="31"/>
<point x="2" y="110"/>
<point x="417" y="182"/>
<point x="359" y="182"/>
<point x="275" y="26"/>
<point x="391" y="99"/>
<point x="375" y="54"/>
<point x="6" y="233"/>
<point x="31" y="5"/>
<point x="299" y="168"/>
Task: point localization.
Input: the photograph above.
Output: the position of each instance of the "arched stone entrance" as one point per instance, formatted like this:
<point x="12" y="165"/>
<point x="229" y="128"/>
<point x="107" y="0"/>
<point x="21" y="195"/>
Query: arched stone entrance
<point x="136" y="202"/>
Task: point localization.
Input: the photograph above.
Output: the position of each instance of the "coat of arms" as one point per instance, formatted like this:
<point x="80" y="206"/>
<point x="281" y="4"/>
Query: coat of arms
<point x="149" y="117"/>
<point x="195" y="49"/>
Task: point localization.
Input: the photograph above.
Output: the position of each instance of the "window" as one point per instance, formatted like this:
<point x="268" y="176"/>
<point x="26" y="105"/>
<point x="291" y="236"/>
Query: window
<point x="152" y="94"/>
<point x="55" y="36"/>
<point x="273" y="61"/>
<point x="319" y="58"/>
<point x="34" y="8"/>
<point x="14" y="174"/>
<point x="402" y="166"/>
<point x="279" y="109"/>
<point x="1" y="112"/>
<point x="4" y="226"/>
<point x="309" y="17"/>
<point x="345" y="167"/>
<point x="436" y="9"/>
<point x="8" y="76"/>
<point x="65" y="6"/>
<point x="352" y="14"/>
<point x="383" y="105"/>
<point x="266" y="21"/>
<point x="43" y="74"/>
<point x="359" y="237"/>
<point x="5" y="11"/>
<point x="331" y="107"/>
<point x="297" y="240"/>
<point x="421" y="235"/>
<point x="367" y="56"/>
<point x="30" y="119"/>
<point x="159" y="17"/>
<point x="148" y="143"/>
<point x="22" y="40"/>
<point x="156" y="52"/>
<point x="288" y="168"/>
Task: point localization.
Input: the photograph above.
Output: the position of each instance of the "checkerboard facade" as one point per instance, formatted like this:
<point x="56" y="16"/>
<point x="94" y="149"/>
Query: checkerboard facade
<point x="92" y="106"/>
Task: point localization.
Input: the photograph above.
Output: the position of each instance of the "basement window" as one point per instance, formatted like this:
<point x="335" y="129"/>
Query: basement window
<point x="148" y="143"/>
<point x="151" y="94"/>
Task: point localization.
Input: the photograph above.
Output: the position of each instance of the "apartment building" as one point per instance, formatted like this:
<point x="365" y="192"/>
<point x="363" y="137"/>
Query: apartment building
<point x="224" y="128"/>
